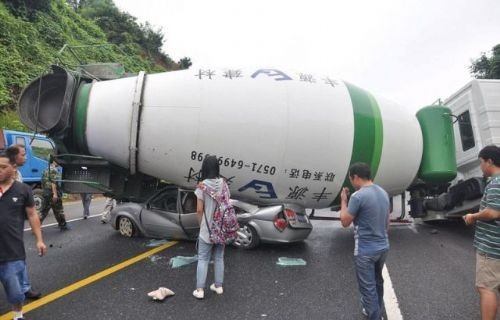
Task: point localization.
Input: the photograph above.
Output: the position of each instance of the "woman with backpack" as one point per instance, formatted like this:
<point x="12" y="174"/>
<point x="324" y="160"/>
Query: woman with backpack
<point x="212" y="185"/>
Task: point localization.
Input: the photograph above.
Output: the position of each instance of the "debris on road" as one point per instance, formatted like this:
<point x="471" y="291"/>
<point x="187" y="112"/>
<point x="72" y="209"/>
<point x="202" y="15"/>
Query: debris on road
<point x="160" y="294"/>
<point x="179" y="261"/>
<point x="156" y="242"/>
<point x="286" y="262"/>
<point x="155" y="258"/>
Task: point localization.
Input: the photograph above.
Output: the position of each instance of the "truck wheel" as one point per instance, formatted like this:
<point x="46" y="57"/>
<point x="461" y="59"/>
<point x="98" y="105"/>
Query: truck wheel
<point x="38" y="197"/>
<point x="247" y="238"/>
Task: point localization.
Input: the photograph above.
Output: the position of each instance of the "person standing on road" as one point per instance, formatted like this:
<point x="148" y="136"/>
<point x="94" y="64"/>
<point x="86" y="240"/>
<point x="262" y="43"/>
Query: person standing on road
<point x="16" y="201"/>
<point x="368" y="208"/>
<point x="487" y="234"/>
<point x="17" y="155"/>
<point x="17" y="152"/>
<point x="205" y="208"/>
<point x="108" y="207"/>
<point x="86" y="199"/>
<point x="52" y="196"/>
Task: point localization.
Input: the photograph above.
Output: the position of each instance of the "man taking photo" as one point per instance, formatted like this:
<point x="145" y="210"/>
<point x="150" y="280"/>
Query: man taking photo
<point x="368" y="208"/>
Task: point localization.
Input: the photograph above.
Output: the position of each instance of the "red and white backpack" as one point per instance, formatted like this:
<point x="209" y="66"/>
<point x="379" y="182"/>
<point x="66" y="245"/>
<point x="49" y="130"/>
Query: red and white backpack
<point x="224" y="226"/>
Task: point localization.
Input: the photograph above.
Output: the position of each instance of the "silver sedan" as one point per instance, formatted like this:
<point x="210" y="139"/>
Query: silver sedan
<point x="171" y="214"/>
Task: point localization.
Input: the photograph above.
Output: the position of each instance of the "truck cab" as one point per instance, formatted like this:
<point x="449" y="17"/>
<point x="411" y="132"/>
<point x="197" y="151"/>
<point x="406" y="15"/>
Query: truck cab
<point x="475" y="109"/>
<point x="38" y="148"/>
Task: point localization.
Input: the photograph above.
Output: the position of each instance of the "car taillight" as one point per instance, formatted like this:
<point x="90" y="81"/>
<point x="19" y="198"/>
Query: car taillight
<point x="290" y="215"/>
<point x="280" y="223"/>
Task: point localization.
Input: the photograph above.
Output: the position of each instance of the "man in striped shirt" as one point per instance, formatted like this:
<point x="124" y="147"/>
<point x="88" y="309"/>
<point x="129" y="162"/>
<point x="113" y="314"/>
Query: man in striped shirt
<point x="487" y="235"/>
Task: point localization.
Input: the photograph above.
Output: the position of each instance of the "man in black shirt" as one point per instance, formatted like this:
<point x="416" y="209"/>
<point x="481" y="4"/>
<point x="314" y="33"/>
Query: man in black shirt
<point x="17" y="155"/>
<point x="16" y="200"/>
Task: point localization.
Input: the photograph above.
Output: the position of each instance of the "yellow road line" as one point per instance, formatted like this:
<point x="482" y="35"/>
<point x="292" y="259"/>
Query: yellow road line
<point x="77" y="285"/>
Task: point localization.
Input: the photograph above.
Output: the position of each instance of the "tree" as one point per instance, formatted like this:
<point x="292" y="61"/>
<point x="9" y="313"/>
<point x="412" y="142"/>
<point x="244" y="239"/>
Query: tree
<point x="122" y="29"/>
<point x="75" y="4"/>
<point x="185" y="63"/>
<point x="150" y="40"/>
<point x="486" y="67"/>
<point x="27" y="8"/>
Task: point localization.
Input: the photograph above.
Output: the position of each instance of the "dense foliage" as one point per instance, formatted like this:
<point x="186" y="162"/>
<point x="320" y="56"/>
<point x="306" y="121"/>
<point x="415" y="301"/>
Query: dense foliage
<point x="32" y="33"/>
<point x="486" y="67"/>
<point x="122" y="28"/>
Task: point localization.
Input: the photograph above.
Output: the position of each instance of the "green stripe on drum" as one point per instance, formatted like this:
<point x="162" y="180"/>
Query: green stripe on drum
<point x="80" y="117"/>
<point x="368" y="132"/>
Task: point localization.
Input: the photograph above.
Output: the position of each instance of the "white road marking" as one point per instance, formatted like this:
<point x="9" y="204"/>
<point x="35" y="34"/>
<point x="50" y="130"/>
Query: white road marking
<point x="55" y="223"/>
<point x="413" y="228"/>
<point x="390" y="299"/>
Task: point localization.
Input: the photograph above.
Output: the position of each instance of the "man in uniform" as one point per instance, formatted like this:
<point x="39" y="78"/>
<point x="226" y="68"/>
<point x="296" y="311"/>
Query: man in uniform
<point x="52" y="196"/>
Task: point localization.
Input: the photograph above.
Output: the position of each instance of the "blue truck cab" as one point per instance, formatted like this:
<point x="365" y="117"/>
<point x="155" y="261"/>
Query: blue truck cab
<point x="38" y="148"/>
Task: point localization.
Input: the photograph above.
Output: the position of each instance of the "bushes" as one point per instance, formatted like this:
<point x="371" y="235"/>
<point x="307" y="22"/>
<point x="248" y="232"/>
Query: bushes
<point x="33" y="31"/>
<point x="9" y="119"/>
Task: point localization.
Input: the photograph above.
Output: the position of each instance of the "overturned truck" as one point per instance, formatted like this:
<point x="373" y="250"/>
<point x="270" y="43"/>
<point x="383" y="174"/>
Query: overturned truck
<point x="281" y="137"/>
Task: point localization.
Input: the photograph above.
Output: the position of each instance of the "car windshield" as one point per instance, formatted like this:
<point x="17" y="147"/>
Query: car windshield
<point x="166" y="201"/>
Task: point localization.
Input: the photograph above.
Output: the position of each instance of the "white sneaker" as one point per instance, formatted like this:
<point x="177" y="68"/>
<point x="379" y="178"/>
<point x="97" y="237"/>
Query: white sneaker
<point x="199" y="294"/>
<point x="215" y="289"/>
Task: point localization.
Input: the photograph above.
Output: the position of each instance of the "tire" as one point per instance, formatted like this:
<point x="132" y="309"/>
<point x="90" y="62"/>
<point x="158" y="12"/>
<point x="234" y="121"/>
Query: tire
<point x="126" y="227"/>
<point x="247" y="238"/>
<point x="38" y="197"/>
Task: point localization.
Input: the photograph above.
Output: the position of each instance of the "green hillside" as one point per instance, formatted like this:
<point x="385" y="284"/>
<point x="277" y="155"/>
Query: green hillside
<point x="32" y="32"/>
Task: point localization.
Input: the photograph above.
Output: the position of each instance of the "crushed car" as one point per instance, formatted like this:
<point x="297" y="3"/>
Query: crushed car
<point x="171" y="214"/>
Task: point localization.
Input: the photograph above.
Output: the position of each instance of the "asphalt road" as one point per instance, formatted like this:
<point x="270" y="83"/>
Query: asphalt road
<point x="431" y="269"/>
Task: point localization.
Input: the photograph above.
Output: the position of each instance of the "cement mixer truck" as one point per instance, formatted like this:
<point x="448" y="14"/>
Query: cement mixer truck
<point x="281" y="136"/>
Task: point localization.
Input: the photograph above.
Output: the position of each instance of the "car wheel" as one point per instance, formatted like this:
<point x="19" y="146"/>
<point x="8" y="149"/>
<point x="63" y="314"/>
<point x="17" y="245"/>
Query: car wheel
<point x="38" y="198"/>
<point x="126" y="227"/>
<point x="247" y="238"/>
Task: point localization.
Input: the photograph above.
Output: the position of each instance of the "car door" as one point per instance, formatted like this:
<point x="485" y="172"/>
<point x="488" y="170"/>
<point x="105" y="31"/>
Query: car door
<point x="160" y="217"/>
<point x="187" y="213"/>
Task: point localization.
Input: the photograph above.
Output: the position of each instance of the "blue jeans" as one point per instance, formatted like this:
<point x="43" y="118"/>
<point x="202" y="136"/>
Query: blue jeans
<point x="204" y="253"/>
<point x="24" y="280"/>
<point x="370" y="281"/>
<point x="11" y="273"/>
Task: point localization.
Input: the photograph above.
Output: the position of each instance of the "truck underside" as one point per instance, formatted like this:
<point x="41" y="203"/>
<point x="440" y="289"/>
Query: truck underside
<point x="446" y="202"/>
